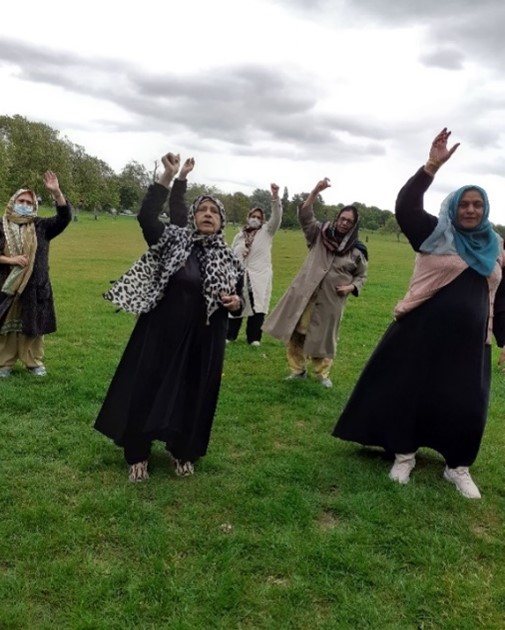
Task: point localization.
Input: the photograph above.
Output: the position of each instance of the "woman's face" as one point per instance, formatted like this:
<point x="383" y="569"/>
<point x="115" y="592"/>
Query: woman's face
<point x="256" y="214"/>
<point x="345" y="222"/>
<point x="207" y="217"/>
<point x="25" y="198"/>
<point x="470" y="209"/>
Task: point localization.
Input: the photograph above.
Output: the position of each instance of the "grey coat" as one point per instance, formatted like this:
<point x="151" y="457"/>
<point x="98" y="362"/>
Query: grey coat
<point x="321" y="272"/>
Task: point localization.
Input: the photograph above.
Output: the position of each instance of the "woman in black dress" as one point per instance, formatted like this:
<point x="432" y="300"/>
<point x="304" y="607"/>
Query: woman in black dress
<point x="427" y="382"/>
<point x="167" y="383"/>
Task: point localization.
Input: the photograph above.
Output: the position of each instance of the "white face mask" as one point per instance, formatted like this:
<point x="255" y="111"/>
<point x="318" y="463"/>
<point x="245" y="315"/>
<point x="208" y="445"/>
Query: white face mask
<point x="23" y="209"/>
<point x="254" y="223"/>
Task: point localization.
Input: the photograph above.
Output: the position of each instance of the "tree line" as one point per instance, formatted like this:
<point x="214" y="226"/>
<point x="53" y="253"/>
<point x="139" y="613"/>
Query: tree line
<point x="28" y="149"/>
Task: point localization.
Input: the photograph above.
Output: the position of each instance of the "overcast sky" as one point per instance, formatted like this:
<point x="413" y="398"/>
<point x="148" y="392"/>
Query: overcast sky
<point x="276" y="90"/>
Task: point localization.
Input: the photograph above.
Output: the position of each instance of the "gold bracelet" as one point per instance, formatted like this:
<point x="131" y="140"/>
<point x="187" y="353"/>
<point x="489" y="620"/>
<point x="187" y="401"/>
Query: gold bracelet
<point x="433" y="165"/>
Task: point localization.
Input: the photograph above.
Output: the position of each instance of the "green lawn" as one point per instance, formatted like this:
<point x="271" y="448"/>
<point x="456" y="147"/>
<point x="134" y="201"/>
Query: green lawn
<point x="282" y="526"/>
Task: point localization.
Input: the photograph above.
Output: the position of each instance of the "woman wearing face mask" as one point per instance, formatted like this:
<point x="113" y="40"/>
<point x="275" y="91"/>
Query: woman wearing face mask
<point x="26" y="297"/>
<point x="307" y="317"/>
<point x="427" y="382"/>
<point x="253" y="245"/>
<point x="167" y="383"/>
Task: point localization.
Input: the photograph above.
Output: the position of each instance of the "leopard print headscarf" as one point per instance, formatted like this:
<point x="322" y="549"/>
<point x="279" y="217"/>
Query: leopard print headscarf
<point x="142" y="287"/>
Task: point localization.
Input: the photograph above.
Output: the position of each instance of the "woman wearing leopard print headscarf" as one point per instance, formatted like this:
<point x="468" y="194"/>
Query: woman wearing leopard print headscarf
<point x="167" y="383"/>
<point x="26" y="297"/>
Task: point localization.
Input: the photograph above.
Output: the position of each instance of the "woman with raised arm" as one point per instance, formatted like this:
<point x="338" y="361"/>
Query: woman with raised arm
<point x="427" y="382"/>
<point x="167" y="383"/>
<point x="308" y="315"/>
<point x="26" y="296"/>
<point x="253" y="246"/>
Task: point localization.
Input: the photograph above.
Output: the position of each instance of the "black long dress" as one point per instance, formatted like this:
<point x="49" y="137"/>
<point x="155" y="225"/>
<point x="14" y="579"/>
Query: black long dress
<point x="167" y="383"/>
<point x="427" y="382"/>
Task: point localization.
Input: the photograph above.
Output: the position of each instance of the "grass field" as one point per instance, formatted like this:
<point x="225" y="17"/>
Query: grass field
<point x="282" y="526"/>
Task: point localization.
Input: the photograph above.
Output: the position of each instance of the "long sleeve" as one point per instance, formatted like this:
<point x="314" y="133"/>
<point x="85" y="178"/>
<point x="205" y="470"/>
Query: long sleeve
<point x="148" y="217"/>
<point x="177" y="203"/>
<point x="360" y="274"/>
<point x="499" y="313"/>
<point x="274" y="223"/>
<point x="55" y="225"/>
<point x="308" y="223"/>
<point x="414" y="221"/>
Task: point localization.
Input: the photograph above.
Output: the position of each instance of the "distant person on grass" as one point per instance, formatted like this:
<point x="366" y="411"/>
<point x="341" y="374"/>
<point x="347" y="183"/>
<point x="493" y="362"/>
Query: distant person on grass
<point x="427" y="382"/>
<point x="307" y="317"/>
<point x="26" y="297"/>
<point x="167" y="383"/>
<point x="253" y="246"/>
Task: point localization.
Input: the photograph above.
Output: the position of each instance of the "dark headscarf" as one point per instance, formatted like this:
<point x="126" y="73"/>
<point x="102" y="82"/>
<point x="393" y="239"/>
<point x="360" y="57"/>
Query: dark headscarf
<point x="340" y="244"/>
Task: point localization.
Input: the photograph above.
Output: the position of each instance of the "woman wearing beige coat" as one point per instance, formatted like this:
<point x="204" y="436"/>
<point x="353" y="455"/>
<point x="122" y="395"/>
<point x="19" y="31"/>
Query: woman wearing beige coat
<point x="308" y="315"/>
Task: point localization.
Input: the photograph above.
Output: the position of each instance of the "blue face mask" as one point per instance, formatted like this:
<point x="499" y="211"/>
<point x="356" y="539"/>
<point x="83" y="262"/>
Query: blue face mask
<point x="23" y="209"/>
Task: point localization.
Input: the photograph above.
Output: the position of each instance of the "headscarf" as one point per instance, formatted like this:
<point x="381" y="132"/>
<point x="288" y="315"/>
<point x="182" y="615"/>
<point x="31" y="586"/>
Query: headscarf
<point x="336" y="243"/>
<point x="20" y="239"/>
<point x="142" y="287"/>
<point x="478" y="247"/>
<point x="250" y="232"/>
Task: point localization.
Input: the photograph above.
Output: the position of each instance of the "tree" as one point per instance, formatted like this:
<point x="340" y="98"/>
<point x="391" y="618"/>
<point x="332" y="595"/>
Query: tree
<point x="30" y="149"/>
<point x="260" y="199"/>
<point x="132" y="184"/>
<point x="391" y="227"/>
<point x="94" y="182"/>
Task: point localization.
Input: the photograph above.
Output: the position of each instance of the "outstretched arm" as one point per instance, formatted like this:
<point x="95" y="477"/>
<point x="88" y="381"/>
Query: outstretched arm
<point x="306" y="218"/>
<point x="152" y="204"/>
<point x="414" y="221"/>
<point x="274" y="223"/>
<point x="55" y="225"/>
<point x="176" y="202"/>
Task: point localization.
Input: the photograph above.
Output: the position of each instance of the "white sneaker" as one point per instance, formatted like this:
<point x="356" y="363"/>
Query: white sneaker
<point x="255" y="344"/>
<point x="461" y="478"/>
<point x="326" y="382"/>
<point x="403" y="466"/>
<point x="38" y="371"/>
<point x="296" y="376"/>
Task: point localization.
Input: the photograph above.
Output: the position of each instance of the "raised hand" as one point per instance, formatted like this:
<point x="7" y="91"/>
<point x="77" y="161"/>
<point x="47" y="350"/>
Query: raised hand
<point x="274" y="189"/>
<point x="51" y="182"/>
<point x="53" y="186"/>
<point x="186" y="168"/>
<point x="318" y="188"/>
<point x="171" y="162"/>
<point x="439" y="153"/>
<point x="321" y="185"/>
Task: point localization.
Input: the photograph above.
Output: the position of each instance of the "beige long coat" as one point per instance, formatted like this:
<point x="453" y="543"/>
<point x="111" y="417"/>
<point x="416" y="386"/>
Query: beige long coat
<point x="321" y="272"/>
<point x="258" y="264"/>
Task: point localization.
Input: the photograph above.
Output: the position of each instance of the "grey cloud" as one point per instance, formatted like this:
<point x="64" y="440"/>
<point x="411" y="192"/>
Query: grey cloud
<point x="472" y="30"/>
<point x="448" y="58"/>
<point x="247" y="106"/>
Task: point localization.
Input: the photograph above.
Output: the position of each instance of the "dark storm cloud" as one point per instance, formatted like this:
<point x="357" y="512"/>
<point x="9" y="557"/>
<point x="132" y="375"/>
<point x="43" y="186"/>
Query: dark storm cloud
<point x="245" y="106"/>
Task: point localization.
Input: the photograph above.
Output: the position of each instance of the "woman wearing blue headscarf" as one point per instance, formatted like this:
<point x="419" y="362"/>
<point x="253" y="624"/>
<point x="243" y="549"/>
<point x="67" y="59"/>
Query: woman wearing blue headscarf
<point x="427" y="382"/>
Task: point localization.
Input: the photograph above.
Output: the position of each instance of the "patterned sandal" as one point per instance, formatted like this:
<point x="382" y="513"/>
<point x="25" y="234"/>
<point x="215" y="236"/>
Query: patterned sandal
<point x="183" y="469"/>
<point x="138" y="472"/>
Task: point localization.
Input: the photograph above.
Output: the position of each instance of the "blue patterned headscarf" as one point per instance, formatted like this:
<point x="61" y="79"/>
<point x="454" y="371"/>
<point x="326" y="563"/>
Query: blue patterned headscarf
<point x="478" y="247"/>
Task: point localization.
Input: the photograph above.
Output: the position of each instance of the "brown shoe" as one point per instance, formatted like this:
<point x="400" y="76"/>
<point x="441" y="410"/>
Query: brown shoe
<point x="138" y="472"/>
